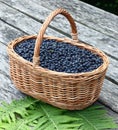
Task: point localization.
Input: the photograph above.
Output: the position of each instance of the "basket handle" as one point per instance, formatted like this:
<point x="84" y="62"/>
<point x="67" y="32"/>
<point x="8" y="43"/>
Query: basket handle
<point x="44" y="27"/>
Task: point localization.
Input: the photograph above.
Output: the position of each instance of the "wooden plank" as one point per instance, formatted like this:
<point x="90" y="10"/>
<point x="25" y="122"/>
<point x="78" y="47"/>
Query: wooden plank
<point x="113" y="69"/>
<point x="7" y="90"/>
<point x="20" y="22"/>
<point x="101" y="41"/>
<point x="88" y="15"/>
<point x="8" y="33"/>
<point x="109" y="95"/>
<point x="31" y="26"/>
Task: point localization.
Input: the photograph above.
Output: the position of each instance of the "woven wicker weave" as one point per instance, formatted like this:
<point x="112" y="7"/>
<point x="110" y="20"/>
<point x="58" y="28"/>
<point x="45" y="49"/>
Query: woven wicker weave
<point x="64" y="90"/>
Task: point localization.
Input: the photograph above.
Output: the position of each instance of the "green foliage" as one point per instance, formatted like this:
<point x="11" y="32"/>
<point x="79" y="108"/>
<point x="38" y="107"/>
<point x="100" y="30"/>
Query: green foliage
<point x="31" y="114"/>
<point x="94" y="118"/>
<point x="8" y="111"/>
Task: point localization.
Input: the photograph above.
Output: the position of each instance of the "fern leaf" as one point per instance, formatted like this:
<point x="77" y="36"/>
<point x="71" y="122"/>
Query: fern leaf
<point x="18" y="125"/>
<point x="25" y="123"/>
<point x="94" y="118"/>
<point x="8" y="111"/>
<point x="31" y="114"/>
<point x="55" y="119"/>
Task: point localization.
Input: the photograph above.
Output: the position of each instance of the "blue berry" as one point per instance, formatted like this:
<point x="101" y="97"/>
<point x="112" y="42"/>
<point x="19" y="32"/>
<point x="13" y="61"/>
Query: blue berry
<point x="60" y="56"/>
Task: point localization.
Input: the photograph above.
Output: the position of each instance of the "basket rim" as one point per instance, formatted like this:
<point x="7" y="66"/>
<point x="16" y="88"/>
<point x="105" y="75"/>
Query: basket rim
<point x="104" y="66"/>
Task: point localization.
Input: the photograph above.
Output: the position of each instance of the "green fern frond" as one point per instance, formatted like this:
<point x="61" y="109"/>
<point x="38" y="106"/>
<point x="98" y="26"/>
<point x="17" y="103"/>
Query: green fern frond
<point x="55" y="119"/>
<point x="46" y="117"/>
<point x="37" y="119"/>
<point x="25" y="123"/>
<point x="18" y="125"/>
<point x="31" y="114"/>
<point x="8" y="111"/>
<point x="94" y="118"/>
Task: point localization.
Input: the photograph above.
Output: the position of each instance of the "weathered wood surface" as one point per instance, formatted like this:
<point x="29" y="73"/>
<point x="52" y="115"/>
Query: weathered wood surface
<point x="109" y="95"/>
<point x="7" y="33"/>
<point x="19" y="19"/>
<point x="86" y="14"/>
<point x="7" y="90"/>
<point x="31" y="26"/>
<point x="22" y="22"/>
<point x="86" y="34"/>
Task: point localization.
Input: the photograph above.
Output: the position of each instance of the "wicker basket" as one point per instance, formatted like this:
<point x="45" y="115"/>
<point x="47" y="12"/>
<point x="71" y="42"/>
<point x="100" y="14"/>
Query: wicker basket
<point x="65" y="90"/>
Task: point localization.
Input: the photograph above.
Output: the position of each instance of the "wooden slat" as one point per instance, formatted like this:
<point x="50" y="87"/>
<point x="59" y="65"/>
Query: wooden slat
<point x="27" y="24"/>
<point x="88" y="15"/>
<point x="109" y="95"/>
<point x="21" y="22"/>
<point x="7" y="90"/>
<point x="8" y="33"/>
<point x="86" y="34"/>
<point x="113" y="69"/>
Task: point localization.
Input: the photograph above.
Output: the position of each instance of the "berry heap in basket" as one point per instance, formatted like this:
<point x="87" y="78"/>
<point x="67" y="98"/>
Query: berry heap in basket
<point x="60" y="56"/>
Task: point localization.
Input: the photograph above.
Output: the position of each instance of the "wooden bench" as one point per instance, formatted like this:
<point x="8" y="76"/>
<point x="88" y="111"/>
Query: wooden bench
<point x="95" y="26"/>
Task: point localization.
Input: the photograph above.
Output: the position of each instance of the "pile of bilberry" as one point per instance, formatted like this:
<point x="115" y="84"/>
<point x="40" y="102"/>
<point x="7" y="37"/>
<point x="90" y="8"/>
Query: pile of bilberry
<point x="60" y="56"/>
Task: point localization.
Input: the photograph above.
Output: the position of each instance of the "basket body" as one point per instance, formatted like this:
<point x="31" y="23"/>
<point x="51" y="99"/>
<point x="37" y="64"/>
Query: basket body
<point x="63" y="90"/>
